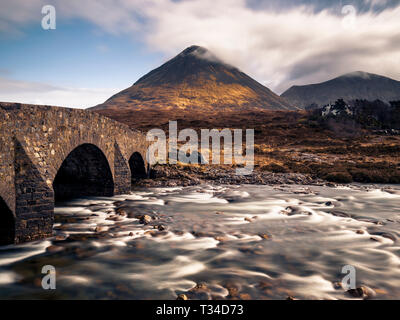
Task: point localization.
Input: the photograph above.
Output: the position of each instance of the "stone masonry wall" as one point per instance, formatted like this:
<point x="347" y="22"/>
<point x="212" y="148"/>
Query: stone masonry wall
<point x="34" y="142"/>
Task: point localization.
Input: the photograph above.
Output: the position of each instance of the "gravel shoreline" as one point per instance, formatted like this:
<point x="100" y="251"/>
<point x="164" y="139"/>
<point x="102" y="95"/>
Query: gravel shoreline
<point x="174" y="175"/>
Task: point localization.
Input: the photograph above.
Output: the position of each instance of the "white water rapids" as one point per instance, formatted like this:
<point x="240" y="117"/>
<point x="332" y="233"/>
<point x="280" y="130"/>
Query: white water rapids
<point x="268" y="242"/>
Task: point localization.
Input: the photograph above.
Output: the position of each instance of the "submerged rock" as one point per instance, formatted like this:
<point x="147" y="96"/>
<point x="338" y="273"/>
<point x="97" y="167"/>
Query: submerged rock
<point x="265" y="236"/>
<point x="115" y="218"/>
<point x="386" y="235"/>
<point x="145" y="219"/>
<point x="244" y="296"/>
<point x="233" y="290"/>
<point x="121" y="212"/>
<point x="54" y="249"/>
<point x="363" y="292"/>
<point x="295" y="210"/>
<point x="161" y="227"/>
<point x="221" y="238"/>
<point x="341" y="214"/>
<point x="199" y="292"/>
<point x="101" y="229"/>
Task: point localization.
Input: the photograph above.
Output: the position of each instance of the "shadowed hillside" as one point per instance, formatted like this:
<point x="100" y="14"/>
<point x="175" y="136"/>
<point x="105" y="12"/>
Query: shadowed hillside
<point x="352" y="86"/>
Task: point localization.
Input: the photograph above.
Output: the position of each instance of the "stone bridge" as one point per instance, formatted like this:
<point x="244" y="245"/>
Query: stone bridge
<point x="49" y="154"/>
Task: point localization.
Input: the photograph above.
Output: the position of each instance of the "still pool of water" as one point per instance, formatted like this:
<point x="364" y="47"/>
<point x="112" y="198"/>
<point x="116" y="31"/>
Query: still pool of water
<point x="257" y="242"/>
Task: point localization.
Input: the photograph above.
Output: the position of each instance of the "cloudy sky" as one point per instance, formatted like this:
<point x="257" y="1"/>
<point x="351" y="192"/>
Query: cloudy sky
<point x="100" y="47"/>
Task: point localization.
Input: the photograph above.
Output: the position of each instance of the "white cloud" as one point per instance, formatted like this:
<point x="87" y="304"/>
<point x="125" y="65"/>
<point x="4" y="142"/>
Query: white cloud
<point x="42" y="93"/>
<point x="278" y="48"/>
<point x="284" y="48"/>
<point x="19" y="12"/>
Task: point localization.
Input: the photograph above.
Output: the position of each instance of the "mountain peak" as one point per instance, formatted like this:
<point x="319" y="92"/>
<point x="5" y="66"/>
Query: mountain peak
<point x="192" y="49"/>
<point x="350" y="86"/>
<point x="197" y="80"/>
<point x="359" y="74"/>
<point x="201" y="53"/>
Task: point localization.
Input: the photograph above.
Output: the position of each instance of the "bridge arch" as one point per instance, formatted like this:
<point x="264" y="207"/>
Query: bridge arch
<point x="7" y="224"/>
<point x="42" y="155"/>
<point x="84" y="172"/>
<point x="137" y="167"/>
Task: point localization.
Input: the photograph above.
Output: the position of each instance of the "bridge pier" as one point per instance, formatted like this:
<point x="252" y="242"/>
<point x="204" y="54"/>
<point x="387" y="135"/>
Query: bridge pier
<point x="122" y="174"/>
<point x="34" y="200"/>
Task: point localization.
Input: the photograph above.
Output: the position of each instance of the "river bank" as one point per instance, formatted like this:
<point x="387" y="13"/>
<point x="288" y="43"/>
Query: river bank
<point x="190" y="175"/>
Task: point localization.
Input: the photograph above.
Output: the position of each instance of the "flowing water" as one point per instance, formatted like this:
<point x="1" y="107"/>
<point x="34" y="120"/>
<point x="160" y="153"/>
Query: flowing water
<point x="257" y="242"/>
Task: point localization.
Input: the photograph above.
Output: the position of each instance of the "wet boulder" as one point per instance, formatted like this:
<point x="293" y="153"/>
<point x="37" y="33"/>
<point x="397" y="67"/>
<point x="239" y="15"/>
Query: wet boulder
<point x="362" y="292"/>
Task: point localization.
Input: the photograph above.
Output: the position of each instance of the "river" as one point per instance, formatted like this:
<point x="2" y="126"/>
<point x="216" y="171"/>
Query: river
<point x="246" y="242"/>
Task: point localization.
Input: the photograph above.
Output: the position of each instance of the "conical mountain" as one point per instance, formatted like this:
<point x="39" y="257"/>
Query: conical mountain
<point x="351" y="86"/>
<point x="195" y="80"/>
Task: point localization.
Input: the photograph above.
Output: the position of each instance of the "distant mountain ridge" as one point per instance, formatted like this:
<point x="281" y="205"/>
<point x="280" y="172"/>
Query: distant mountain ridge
<point x="195" y="80"/>
<point x="351" y="86"/>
